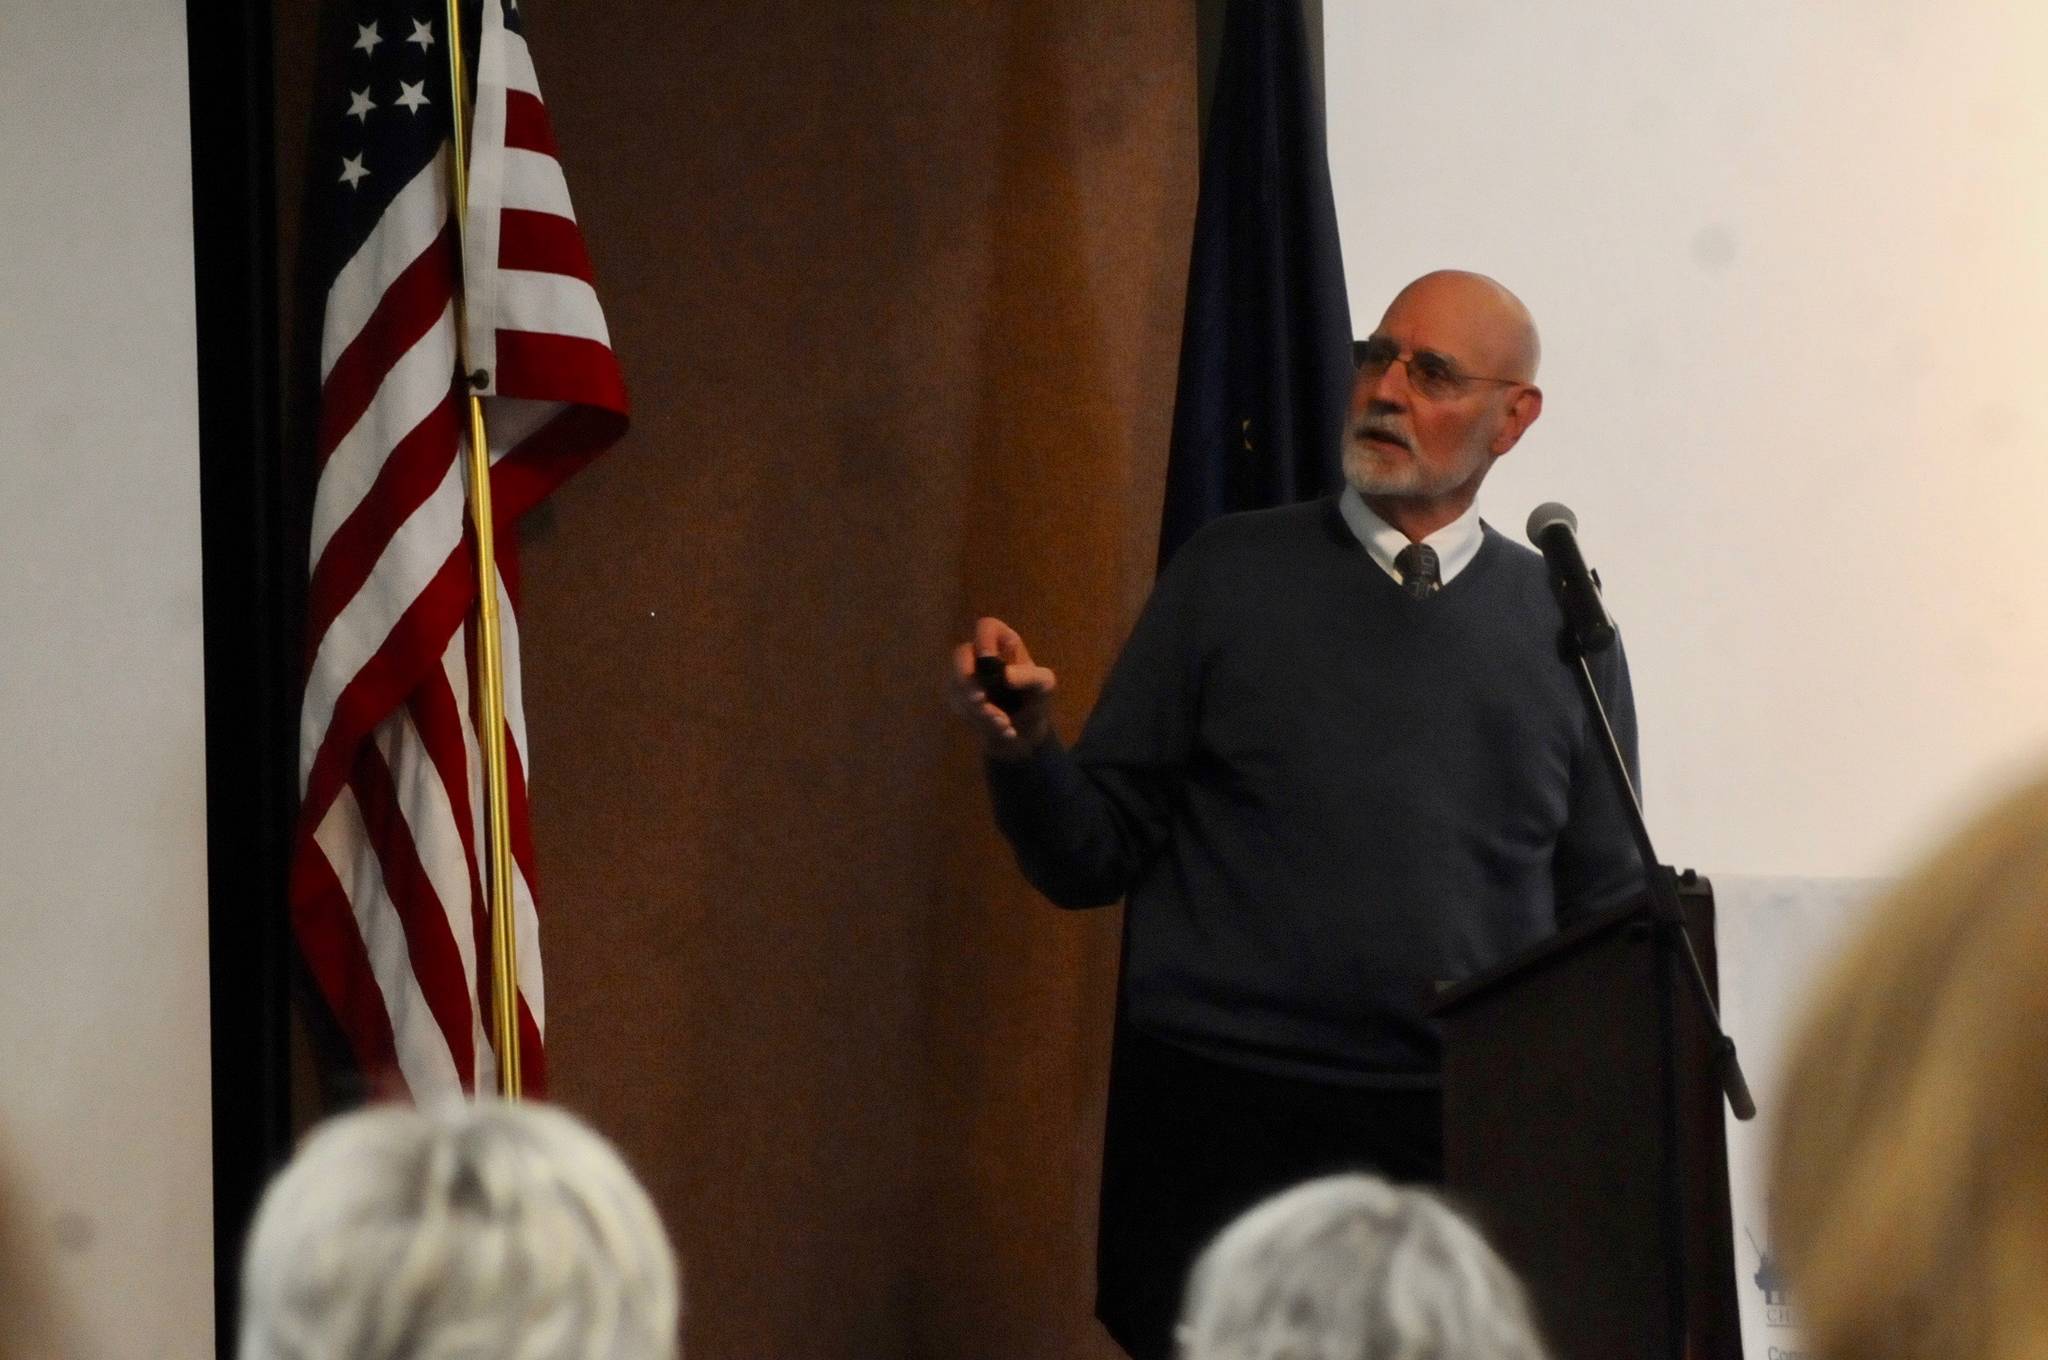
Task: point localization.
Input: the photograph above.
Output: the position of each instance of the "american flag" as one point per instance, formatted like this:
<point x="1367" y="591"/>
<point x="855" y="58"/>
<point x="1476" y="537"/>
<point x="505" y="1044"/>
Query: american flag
<point x="388" y="873"/>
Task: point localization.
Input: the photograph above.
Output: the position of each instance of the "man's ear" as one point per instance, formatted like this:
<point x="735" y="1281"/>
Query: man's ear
<point x="1523" y="408"/>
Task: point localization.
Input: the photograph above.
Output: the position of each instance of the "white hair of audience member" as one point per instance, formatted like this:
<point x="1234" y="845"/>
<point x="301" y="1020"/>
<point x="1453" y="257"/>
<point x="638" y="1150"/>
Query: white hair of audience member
<point x="482" y="1231"/>
<point x="1352" y="1268"/>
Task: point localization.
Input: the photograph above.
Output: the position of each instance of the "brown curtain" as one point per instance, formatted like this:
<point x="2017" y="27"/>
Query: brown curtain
<point x="897" y="289"/>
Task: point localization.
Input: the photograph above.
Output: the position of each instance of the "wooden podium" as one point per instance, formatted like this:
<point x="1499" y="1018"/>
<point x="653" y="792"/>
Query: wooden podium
<point x="1583" y="1130"/>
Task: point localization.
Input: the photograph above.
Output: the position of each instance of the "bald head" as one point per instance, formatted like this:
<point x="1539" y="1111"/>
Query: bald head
<point x="1487" y="326"/>
<point x="1445" y="386"/>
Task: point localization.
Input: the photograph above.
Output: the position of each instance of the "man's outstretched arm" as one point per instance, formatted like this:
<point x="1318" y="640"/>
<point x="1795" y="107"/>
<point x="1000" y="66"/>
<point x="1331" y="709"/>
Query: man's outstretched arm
<point x="1083" y="825"/>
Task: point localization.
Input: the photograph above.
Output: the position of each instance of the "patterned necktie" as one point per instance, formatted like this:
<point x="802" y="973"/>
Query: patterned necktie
<point x="1417" y="565"/>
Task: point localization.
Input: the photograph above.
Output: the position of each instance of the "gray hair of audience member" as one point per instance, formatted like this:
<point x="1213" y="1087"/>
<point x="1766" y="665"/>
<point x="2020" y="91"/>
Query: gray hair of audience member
<point x="465" y="1232"/>
<point x="1352" y="1268"/>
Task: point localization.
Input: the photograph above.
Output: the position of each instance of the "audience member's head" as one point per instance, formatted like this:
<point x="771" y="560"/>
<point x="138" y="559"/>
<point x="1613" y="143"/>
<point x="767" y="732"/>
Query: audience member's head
<point x="1910" y="1188"/>
<point x="29" y="1327"/>
<point x="1351" y="1268"/>
<point x="471" y="1232"/>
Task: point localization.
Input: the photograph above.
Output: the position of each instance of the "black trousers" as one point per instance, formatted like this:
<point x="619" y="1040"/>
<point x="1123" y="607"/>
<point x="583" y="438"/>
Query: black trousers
<point x="1191" y="1143"/>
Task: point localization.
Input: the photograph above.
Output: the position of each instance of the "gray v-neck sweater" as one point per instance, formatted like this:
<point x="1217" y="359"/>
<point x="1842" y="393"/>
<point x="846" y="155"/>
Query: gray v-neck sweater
<point x="1321" y="796"/>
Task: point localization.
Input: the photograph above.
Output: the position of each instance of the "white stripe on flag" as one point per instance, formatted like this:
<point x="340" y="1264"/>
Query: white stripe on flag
<point x="455" y="671"/>
<point x="486" y="193"/>
<point x="423" y="1056"/>
<point x="519" y="74"/>
<point x="429" y="816"/>
<point x="414" y="386"/>
<point x="416" y="552"/>
<point x="514" y="420"/>
<point x="558" y="304"/>
<point x="534" y="182"/>
<point x="526" y="922"/>
<point x="412" y="223"/>
<point x="525" y="914"/>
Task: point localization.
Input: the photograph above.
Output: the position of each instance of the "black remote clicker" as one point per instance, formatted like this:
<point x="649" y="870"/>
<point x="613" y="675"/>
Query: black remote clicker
<point x="992" y="674"/>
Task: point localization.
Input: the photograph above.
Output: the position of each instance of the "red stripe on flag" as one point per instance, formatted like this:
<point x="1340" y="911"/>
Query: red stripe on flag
<point x="533" y="1056"/>
<point x="541" y="242"/>
<point x="441" y="726"/>
<point x="508" y="558"/>
<point x="526" y="476"/>
<point x="439" y="721"/>
<point x="407" y="311"/>
<point x="326" y="929"/>
<point x="527" y="127"/>
<point x="415" y="468"/>
<point x="522" y="816"/>
<point x="408" y="653"/>
<point x="430" y="948"/>
<point x="546" y="367"/>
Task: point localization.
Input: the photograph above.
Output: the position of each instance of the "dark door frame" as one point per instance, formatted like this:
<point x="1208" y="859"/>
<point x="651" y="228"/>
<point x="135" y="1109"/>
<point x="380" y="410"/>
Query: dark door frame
<point x="251" y="597"/>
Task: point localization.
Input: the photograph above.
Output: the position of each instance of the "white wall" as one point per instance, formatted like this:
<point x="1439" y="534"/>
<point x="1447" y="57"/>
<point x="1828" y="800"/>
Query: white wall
<point x="1791" y="266"/>
<point x="104" y="1096"/>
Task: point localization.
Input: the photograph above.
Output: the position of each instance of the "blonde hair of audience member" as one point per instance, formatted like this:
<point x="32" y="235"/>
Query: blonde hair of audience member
<point x="507" y="1232"/>
<point x="29" y="1327"/>
<point x="1352" y="1268"/>
<point x="1909" y="1196"/>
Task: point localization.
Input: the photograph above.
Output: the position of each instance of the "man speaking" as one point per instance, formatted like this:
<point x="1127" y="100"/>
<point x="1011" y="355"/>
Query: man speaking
<point x="1339" y="761"/>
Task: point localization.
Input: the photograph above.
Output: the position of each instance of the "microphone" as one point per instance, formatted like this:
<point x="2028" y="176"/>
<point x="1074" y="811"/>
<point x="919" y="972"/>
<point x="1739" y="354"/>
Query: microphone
<point x="1554" y="529"/>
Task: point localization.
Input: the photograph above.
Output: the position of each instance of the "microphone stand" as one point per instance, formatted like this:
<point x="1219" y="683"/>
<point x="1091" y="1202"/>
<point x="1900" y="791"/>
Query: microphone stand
<point x="1662" y="881"/>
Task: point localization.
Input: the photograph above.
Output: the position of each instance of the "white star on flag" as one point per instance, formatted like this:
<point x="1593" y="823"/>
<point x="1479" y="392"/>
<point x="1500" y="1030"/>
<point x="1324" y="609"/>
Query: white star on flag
<point x="412" y="94"/>
<point x="352" y="170"/>
<point x="366" y="38"/>
<point x="359" y="105"/>
<point x="422" y="33"/>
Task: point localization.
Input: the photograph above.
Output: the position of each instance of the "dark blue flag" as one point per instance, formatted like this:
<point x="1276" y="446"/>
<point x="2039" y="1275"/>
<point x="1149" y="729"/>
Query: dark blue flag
<point x="1265" y="358"/>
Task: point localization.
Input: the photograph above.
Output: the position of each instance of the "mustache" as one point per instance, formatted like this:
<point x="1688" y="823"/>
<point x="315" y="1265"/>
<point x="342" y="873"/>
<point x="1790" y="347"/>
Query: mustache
<point x="1379" y="431"/>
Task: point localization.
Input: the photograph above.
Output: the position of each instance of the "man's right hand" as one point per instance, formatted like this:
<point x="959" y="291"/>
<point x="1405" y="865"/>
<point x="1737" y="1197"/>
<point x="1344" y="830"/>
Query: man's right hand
<point x="1006" y="736"/>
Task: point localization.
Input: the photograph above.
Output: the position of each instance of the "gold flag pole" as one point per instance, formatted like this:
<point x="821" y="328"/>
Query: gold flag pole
<point x="490" y="664"/>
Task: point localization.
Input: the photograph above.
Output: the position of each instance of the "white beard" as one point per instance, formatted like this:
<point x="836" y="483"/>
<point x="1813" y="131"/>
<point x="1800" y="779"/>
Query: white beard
<point x="1371" y="473"/>
<point x="1374" y="471"/>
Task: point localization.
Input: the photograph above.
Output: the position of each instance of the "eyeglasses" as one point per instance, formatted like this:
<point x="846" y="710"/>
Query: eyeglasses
<point x="1432" y="374"/>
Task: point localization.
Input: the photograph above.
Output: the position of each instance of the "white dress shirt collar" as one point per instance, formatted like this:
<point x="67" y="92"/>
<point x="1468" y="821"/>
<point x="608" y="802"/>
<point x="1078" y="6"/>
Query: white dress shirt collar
<point x="1456" y="544"/>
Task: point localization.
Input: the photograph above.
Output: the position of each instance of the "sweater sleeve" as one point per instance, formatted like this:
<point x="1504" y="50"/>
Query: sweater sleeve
<point x="1086" y="823"/>
<point x="1596" y="863"/>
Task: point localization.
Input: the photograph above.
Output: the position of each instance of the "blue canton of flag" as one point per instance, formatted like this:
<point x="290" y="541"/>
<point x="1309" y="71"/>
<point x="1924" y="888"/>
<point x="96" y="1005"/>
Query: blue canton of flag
<point x="396" y="83"/>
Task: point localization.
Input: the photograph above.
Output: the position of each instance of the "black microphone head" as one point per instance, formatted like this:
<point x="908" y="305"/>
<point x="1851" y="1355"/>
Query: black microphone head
<point x="1548" y="516"/>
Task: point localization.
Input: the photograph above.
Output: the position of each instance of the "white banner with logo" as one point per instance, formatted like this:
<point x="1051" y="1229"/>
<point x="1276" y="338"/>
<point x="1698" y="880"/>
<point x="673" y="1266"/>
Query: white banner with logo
<point x="1776" y="938"/>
